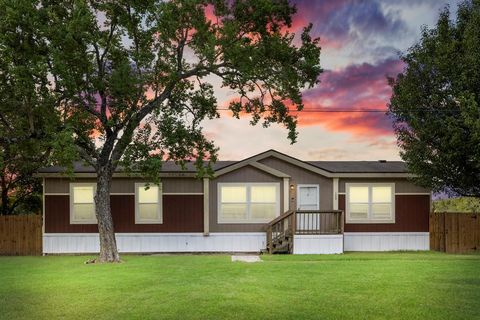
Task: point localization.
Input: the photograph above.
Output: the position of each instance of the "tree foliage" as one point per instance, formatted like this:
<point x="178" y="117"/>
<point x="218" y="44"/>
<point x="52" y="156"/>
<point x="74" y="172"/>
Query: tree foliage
<point x="27" y="119"/>
<point x="462" y="204"/>
<point x="133" y="77"/>
<point x="132" y="81"/>
<point x="435" y="104"/>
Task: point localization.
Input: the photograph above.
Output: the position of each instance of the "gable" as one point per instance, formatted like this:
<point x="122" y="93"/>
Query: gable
<point x="255" y="160"/>
<point x="299" y="174"/>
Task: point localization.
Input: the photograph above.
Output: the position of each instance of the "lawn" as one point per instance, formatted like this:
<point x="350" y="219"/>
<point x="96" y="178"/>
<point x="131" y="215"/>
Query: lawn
<point x="349" y="286"/>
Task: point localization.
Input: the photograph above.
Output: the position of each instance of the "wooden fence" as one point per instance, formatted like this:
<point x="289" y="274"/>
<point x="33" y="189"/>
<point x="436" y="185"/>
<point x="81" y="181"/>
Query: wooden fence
<point x="21" y="235"/>
<point x="455" y="232"/>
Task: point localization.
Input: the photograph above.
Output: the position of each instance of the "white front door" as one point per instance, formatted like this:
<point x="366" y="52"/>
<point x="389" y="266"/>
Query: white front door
<point x="308" y="198"/>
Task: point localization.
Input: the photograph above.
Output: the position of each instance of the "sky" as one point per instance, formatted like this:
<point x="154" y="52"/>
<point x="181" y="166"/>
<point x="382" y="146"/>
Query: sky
<point x="361" y="42"/>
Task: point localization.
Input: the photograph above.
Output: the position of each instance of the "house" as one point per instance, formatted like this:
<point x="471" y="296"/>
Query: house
<point x="270" y="201"/>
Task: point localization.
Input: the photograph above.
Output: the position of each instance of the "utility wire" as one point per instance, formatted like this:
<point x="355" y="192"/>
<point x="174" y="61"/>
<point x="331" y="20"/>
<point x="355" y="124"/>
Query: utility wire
<point x="357" y="110"/>
<point x="325" y="111"/>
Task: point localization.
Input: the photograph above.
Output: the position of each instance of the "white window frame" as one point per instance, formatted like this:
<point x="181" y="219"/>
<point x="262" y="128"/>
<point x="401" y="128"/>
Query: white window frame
<point x="370" y="218"/>
<point x="159" y="219"/>
<point x="71" y="196"/>
<point x="248" y="186"/>
<point x="308" y="186"/>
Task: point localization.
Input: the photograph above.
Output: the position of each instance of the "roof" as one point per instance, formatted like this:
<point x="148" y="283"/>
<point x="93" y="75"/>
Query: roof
<point x="168" y="166"/>
<point x="361" y="166"/>
<point x="327" y="168"/>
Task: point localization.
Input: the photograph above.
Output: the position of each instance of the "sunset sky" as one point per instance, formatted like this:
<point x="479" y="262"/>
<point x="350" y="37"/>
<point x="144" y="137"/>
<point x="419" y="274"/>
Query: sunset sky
<point x="361" y="42"/>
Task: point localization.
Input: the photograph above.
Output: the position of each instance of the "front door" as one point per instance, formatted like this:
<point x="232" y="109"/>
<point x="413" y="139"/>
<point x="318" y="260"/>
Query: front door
<point x="308" y="198"/>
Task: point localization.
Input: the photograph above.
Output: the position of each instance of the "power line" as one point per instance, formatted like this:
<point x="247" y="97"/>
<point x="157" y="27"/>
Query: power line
<point x="326" y="111"/>
<point x="357" y="110"/>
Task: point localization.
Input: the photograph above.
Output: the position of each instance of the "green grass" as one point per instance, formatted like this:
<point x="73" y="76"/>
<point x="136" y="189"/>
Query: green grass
<point x="349" y="286"/>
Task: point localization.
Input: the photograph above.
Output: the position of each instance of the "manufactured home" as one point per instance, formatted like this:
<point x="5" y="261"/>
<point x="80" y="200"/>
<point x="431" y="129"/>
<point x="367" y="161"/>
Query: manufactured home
<point x="269" y="202"/>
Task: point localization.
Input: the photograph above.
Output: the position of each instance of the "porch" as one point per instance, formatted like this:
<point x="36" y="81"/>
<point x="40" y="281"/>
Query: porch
<point x="306" y="232"/>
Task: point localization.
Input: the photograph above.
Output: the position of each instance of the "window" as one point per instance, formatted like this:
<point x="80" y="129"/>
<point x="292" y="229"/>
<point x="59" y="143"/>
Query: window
<point x="370" y="203"/>
<point x="82" y="205"/>
<point x="148" y="204"/>
<point x="248" y="202"/>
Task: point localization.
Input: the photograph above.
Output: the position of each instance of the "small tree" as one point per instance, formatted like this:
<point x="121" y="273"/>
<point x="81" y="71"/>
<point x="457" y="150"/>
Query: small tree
<point x="134" y="80"/>
<point x="26" y="117"/>
<point x="435" y="104"/>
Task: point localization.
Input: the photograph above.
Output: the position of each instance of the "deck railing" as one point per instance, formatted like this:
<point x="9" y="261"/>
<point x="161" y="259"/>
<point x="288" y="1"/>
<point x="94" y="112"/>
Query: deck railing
<point x="280" y="231"/>
<point x="319" y="222"/>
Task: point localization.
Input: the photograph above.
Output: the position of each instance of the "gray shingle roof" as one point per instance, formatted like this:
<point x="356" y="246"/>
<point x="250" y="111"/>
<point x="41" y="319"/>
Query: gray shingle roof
<point x="361" y="166"/>
<point x="330" y="166"/>
<point x="168" y="166"/>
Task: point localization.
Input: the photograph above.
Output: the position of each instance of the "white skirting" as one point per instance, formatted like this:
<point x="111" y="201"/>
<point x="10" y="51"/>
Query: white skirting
<point x="318" y="244"/>
<point x="156" y="242"/>
<point x="236" y="242"/>
<point x="386" y="241"/>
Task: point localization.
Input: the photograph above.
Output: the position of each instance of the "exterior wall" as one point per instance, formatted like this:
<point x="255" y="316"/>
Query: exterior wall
<point x="411" y="215"/>
<point x="54" y="243"/>
<point x="318" y="244"/>
<point x="386" y="241"/>
<point x="245" y="174"/>
<point x="409" y="232"/>
<point x="127" y="185"/>
<point x="182" y="207"/>
<point x="183" y="217"/>
<point x="301" y="176"/>
<point x="401" y="185"/>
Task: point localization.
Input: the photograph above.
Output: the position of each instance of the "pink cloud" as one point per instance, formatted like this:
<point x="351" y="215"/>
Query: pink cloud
<point x="357" y="87"/>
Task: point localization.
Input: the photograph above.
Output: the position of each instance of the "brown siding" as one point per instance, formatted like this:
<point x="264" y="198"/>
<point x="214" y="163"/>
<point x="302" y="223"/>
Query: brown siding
<point x="411" y="215"/>
<point x="401" y="185"/>
<point x="244" y="174"/>
<point x="181" y="213"/>
<point x="301" y="176"/>
<point x="127" y="185"/>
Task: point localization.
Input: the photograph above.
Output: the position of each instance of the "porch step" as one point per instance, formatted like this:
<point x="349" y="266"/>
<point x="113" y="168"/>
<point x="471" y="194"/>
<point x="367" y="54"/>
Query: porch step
<point x="282" y="245"/>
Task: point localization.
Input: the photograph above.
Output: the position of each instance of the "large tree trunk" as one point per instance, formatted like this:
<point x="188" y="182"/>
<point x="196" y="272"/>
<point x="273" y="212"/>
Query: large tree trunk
<point x="108" y="243"/>
<point x="5" y="199"/>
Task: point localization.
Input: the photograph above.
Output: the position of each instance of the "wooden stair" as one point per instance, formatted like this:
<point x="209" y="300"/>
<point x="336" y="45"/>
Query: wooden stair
<point x="283" y="245"/>
<point x="280" y="233"/>
<point x="281" y="230"/>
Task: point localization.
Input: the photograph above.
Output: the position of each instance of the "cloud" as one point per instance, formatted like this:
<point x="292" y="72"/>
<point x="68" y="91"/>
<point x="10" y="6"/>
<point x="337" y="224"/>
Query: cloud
<point x="356" y="87"/>
<point x="348" y="20"/>
<point x="328" y="154"/>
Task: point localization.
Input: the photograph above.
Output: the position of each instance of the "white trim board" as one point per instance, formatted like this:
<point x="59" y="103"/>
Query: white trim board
<point x="206" y="206"/>
<point x="412" y="193"/>
<point x="132" y="194"/>
<point x="386" y="241"/>
<point x="286" y="194"/>
<point x="183" y="193"/>
<point x="335" y="193"/>
<point x="55" y="243"/>
<point x="403" y="193"/>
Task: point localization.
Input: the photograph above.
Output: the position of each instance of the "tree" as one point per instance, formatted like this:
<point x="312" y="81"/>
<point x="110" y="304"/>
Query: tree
<point x="133" y="80"/>
<point x="435" y="104"/>
<point x="462" y="204"/>
<point x="26" y="118"/>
